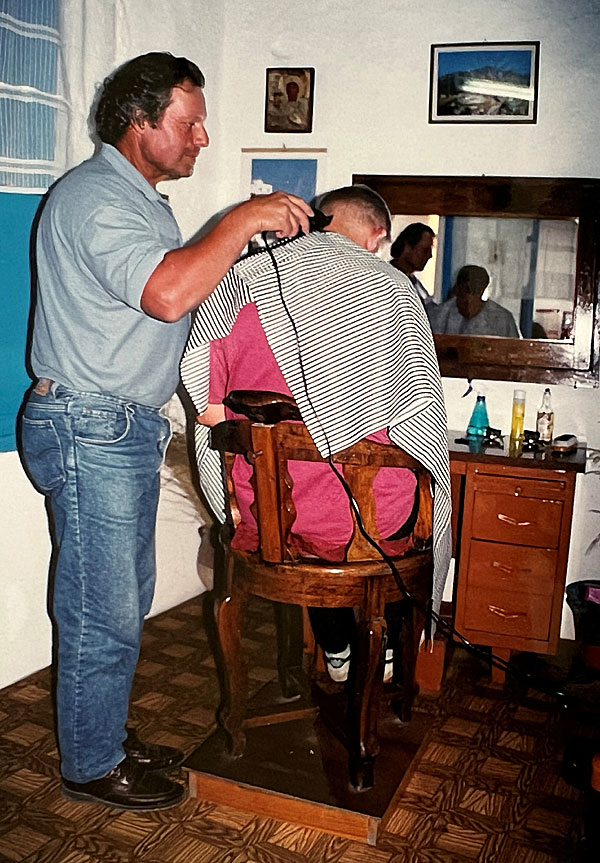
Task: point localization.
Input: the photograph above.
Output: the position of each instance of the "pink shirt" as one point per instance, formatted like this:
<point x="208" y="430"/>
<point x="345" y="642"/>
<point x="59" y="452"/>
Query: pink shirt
<point x="244" y="360"/>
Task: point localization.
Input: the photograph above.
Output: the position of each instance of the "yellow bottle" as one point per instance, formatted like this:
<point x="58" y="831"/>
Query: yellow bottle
<point x="518" y="415"/>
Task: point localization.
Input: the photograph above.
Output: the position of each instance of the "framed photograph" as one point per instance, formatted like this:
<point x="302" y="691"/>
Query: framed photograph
<point x="289" y="100"/>
<point x="298" y="171"/>
<point x="484" y="82"/>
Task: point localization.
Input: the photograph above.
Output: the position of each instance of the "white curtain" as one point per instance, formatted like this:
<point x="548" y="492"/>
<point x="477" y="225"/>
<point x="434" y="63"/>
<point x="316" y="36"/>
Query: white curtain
<point x="33" y="107"/>
<point x="89" y="35"/>
<point x="53" y="56"/>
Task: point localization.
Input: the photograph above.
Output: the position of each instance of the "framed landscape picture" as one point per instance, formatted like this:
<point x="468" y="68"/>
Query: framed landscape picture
<point x="484" y="82"/>
<point x="289" y="99"/>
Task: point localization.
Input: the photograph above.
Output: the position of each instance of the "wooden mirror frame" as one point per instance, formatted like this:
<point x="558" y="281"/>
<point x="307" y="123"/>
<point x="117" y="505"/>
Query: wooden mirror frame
<point x="552" y="361"/>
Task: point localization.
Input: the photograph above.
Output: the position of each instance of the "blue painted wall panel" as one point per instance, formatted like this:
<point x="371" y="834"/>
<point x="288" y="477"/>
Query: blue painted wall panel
<point x="16" y="216"/>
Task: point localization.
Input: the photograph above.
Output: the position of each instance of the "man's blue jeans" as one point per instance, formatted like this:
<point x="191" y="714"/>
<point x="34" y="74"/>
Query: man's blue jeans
<point x="97" y="458"/>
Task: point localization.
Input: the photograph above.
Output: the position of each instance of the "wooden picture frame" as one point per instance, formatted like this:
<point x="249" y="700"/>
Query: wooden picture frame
<point x="289" y="96"/>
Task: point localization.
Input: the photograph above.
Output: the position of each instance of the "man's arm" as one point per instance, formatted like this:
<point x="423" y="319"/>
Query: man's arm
<point x="185" y="277"/>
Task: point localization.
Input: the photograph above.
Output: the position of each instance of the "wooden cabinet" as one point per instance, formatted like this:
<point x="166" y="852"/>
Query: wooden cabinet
<point x="512" y="519"/>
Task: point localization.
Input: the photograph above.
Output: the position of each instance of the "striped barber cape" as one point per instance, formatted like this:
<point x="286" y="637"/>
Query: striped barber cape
<point x="355" y="348"/>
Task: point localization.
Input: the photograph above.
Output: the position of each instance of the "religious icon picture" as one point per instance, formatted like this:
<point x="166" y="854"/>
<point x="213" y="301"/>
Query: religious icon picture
<point x="289" y="100"/>
<point x="485" y="82"/>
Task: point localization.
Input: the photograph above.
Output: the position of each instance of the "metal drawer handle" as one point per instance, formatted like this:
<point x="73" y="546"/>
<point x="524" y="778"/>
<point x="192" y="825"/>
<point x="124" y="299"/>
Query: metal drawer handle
<point x="497" y="565"/>
<point x="507" y="615"/>
<point x="513" y="521"/>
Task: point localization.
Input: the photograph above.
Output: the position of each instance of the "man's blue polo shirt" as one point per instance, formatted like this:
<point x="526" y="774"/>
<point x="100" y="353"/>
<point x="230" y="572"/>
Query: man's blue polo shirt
<point x="102" y="232"/>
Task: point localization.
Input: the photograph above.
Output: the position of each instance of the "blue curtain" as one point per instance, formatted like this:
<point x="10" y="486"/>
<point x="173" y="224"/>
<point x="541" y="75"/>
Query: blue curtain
<point x="31" y="103"/>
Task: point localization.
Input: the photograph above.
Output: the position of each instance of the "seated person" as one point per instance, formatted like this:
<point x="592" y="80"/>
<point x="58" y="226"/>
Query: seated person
<point x="256" y="349"/>
<point x="243" y="360"/>
<point x="466" y="313"/>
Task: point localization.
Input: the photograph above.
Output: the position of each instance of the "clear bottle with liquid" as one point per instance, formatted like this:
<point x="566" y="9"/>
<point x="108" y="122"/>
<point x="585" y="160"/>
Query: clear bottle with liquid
<point x="517" y="423"/>
<point x="545" y="418"/>
<point x="479" y="418"/>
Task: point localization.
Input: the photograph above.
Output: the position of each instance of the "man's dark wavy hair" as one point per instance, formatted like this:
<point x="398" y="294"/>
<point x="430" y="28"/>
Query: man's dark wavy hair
<point x="141" y="90"/>
<point x="410" y="236"/>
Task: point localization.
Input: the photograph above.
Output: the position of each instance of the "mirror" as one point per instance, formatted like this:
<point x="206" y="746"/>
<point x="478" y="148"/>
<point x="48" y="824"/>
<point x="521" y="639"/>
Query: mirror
<point x="533" y="244"/>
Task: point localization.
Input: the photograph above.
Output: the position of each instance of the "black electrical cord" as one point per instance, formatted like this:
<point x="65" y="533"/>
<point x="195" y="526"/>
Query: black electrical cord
<point x="448" y="630"/>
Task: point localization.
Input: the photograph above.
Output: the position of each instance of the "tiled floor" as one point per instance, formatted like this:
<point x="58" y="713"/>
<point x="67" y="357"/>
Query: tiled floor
<point x="485" y="786"/>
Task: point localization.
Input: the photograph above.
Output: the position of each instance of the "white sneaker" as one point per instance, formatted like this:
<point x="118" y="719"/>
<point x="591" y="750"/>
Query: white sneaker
<point x="338" y="664"/>
<point x="388" y="669"/>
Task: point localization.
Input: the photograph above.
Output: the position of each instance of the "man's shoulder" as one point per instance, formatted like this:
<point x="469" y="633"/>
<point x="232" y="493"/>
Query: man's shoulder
<point x="498" y="311"/>
<point x="87" y="188"/>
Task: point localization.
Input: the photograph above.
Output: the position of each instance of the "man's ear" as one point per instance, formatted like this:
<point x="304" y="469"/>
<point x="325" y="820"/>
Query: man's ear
<point x="140" y="121"/>
<point x="375" y="239"/>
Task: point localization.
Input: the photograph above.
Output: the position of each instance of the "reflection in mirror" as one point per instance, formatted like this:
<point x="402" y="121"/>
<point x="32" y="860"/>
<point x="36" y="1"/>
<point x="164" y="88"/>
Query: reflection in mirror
<point x="530" y="264"/>
<point x="538" y="241"/>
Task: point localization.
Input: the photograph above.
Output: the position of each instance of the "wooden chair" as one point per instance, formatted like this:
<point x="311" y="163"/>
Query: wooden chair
<point x="363" y="581"/>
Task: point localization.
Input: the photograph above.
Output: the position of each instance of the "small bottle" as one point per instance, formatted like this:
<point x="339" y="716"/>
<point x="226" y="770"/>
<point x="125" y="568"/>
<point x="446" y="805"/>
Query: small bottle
<point x="545" y="418"/>
<point x="479" y="418"/>
<point x="517" y="423"/>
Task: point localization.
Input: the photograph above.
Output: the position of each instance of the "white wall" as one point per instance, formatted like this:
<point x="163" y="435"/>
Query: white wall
<point x="371" y="108"/>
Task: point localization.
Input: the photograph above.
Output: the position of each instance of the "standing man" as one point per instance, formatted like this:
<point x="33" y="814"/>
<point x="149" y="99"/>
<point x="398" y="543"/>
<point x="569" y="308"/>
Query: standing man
<point x="114" y="291"/>
<point x="410" y="251"/>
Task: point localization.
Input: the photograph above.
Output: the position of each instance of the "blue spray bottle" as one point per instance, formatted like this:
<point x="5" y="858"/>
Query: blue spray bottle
<point x="479" y="418"/>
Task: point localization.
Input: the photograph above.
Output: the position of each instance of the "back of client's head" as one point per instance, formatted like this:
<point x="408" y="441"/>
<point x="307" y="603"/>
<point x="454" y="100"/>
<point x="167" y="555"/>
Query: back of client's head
<point x="359" y="213"/>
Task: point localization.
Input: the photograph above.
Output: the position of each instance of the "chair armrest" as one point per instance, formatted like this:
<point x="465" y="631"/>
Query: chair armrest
<point x="262" y="406"/>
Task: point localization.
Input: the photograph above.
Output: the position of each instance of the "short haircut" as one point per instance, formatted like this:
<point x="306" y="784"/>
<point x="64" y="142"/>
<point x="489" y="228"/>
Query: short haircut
<point x="410" y="236"/>
<point x="139" y="91"/>
<point x="369" y="202"/>
<point x="473" y="278"/>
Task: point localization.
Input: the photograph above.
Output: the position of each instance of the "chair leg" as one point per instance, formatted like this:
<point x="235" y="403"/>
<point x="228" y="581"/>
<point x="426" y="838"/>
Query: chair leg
<point x="363" y="703"/>
<point x="288" y="622"/>
<point x="412" y="628"/>
<point x="228" y="612"/>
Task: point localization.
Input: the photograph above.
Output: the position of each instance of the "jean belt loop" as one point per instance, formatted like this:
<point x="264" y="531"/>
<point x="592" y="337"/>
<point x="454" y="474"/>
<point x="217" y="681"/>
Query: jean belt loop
<point x="53" y="388"/>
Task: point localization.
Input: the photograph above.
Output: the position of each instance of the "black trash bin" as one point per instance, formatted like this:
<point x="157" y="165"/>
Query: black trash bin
<point x="581" y="599"/>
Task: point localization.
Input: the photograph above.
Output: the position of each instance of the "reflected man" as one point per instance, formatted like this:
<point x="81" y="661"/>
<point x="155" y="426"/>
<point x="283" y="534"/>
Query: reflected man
<point x="467" y="313"/>
<point x="410" y="251"/>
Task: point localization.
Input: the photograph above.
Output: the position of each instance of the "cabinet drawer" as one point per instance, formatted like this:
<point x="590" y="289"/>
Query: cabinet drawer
<point x="499" y="612"/>
<point x="555" y="489"/>
<point x="515" y="519"/>
<point x="511" y="567"/>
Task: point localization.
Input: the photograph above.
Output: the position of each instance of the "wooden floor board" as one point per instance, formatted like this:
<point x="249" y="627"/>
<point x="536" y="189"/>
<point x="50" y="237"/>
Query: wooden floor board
<point x="484" y="785"/>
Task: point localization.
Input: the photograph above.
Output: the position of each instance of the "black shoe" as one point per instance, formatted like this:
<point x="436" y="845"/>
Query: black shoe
<point x="576" y="768"/>
<point x="151" y="756"/>
<point x="127" y="786"/>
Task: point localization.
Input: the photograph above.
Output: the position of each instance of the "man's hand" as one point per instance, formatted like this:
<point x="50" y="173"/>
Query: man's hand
<point x="212" y="415"/>
<point x="279" y="212"/>
<point x="185" y="277"/>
